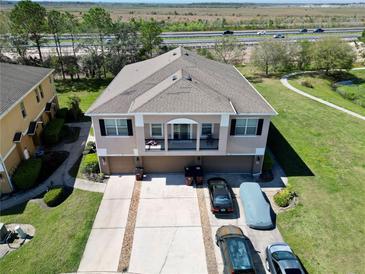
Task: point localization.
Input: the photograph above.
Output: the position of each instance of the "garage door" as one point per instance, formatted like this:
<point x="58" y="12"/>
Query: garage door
<point x="121" y="164"/>
<point x="167" y="163"/>
<point x="233" y="164"/>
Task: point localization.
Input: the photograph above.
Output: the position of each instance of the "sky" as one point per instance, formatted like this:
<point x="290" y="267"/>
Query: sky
<point x="211" y="1"/>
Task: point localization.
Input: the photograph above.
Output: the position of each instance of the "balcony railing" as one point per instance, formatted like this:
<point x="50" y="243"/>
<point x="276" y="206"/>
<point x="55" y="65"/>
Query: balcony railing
<point x="189" y="144"/>
<point x="209" y="144"/>
<point x="173" y="144"/>
<point x="154" y="144"/>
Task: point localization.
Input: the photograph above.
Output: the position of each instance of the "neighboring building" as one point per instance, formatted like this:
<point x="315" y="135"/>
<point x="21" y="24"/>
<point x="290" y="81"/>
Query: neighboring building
<point x="27" y="102"/>
<point x="179" y="109"/>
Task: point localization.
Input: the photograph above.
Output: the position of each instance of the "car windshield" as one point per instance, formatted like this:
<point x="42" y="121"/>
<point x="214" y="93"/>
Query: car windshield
<point x="238" y="253"/>
<point x="221" y="199"/>
<point x="283" y="255"/>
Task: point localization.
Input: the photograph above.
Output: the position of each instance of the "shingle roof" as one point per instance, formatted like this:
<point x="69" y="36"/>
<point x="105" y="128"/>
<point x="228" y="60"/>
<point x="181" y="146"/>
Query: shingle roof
<point x="180" y="81"/>
<point x="16" y="81"/>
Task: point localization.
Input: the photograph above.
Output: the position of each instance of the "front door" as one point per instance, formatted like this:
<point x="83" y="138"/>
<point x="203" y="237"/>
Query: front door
<point x="181" y="131"/>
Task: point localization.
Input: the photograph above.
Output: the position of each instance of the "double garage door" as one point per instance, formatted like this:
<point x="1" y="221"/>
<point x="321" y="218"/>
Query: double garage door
<point x="167" y="164"/>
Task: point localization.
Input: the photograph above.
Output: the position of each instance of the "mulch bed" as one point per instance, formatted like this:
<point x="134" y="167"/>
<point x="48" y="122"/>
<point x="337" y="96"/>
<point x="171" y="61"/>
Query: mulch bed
<point x="129" y="230"/>
<point x="207" y="233"/>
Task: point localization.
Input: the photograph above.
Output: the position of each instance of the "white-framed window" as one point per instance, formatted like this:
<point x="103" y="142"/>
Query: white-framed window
<point x="156" y="130"/>
<point x="207" y="129"/>
<point x="22" y="110"/>
<point x="246" y="127"/>
<point x="37" y="95"/>
<point x="116" y="127"/>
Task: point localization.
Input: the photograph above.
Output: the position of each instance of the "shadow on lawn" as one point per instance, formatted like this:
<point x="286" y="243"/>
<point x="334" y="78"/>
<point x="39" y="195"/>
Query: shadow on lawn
<point x="86" y="84"/>
<point x="289" y="159"/>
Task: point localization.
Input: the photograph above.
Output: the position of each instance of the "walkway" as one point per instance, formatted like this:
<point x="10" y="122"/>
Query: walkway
<point x="61" y="176"/>
<point x="284" y="81"/>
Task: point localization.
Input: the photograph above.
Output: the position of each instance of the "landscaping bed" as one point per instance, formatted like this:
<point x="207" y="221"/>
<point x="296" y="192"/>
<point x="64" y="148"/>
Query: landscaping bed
<point x="56" y="196"/>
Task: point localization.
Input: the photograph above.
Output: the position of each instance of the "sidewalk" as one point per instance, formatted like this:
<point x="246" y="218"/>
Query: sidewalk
<point x="61" y="176"/>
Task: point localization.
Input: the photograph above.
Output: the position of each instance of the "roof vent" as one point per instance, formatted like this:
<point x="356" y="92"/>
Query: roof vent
<point x="188" y="77"/>
<point x="174" y="53"/>
<point x="174" y="78"/>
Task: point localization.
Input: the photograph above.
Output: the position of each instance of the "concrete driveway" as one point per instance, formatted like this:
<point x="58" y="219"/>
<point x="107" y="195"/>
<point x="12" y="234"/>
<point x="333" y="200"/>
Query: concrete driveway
<point x="168" y="235"/>
<point x="103" y="247"/>
<point x="259" y="238"/>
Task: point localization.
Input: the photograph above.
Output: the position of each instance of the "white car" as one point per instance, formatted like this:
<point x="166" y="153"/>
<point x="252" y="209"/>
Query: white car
<point x="261" y="32"/>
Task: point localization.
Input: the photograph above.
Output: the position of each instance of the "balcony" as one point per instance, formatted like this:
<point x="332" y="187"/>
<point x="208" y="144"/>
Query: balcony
<point x="209" y="144"/>
<point x="154" y="144"/>
<point x="189" y="144"/>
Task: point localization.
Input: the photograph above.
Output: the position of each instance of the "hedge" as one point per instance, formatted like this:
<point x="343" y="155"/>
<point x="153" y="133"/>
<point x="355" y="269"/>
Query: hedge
<point x="27" y="173"/>
<point x="53" y="196"/>
<point x="89" y="164"/>
<point x="53" y="131"/>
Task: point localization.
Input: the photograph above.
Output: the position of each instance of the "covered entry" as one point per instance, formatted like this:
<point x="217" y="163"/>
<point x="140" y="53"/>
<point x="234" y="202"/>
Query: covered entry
<point x="229" y="164"/>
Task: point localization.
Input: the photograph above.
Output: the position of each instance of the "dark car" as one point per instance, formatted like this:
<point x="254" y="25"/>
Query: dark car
<point x="235" y="250"/>
<point x="303" y="31"/>
<point x="279" y="35"/>
<point x="319" y="30"/>
<point x="280" y="259"/>
<point x="228" y="32"/>
<point x="220" y="196"/>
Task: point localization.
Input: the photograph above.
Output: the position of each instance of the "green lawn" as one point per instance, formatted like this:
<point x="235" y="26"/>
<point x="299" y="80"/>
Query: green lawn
<point x="322" y="88"/>
<point x="327" y="228"/>
<point x="86" y="89"/>
<point x="60" y="238"/>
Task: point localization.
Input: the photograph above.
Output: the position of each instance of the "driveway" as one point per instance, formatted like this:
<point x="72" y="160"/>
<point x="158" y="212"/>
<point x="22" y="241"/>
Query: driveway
<point x="104" y="245"/>
<point x="259" y="238"/>
<point x="168" y="235"/>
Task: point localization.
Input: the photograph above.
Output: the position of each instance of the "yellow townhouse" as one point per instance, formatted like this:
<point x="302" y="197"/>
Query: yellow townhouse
<point x="27" y="102"/>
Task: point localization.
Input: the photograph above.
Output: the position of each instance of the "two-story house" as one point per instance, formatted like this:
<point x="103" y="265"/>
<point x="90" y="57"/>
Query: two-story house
<point x="27" y="102"/>
<point x="179" y="109"/>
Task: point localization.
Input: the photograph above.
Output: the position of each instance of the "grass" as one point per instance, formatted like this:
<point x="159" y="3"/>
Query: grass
<point x="322" y="88"/>
<point x="86" y="89"/>
<point x="60" y="238"/>
<point x="323" y="154"/>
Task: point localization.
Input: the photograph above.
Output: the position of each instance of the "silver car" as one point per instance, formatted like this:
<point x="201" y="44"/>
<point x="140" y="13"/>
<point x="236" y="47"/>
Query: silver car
<point x="280" y="259"/>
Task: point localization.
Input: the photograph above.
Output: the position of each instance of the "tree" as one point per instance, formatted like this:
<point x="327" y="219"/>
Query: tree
<point x="229" y="51"/>
<point x="332" y="53"/>
<point x="73" y="104"/>
<point x="56" y="26"/>
<point x="150" y="36"/>
<point x="98" y="19"/>
<point x="304" y="55"/>
<point x="72" y="26"/>
<point x="28" y="19"/>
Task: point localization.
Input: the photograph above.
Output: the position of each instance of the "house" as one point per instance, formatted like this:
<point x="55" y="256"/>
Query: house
<point x="28" y="102"/>
<point x="179" y="109"/>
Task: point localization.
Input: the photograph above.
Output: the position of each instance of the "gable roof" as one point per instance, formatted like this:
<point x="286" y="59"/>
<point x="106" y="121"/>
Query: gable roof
<point x="16" y="81"/>
<point x="180" y="81"/>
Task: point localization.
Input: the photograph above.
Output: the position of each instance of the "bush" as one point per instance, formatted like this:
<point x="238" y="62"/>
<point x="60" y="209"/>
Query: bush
<point x="90" y="148"/>
<point x="53" y="131"/>
<point x="268" y="162"/>
<point x="52" y="197"/>
<point x="50" y="162"/>
<point x="283" y="197"/>
<point x="62" y="113"/>
<point x="89" y="164"/>
<point x="306" y="83"/>
<point x="26" y="175"/>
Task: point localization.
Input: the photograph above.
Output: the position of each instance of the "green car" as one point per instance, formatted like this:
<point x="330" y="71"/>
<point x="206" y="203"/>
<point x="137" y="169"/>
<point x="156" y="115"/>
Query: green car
<point x="235" y="250"/>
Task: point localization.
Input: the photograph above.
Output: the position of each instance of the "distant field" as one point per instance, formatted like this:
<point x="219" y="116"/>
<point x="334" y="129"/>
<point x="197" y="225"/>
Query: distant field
<point x="220" y="16"/>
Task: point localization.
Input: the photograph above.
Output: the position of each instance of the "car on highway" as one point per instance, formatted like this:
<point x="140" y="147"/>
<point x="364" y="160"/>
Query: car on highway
<point x="258" y="212"/>
<point x="228" y="32"/>
<point x="261" y="32"/>
<point x="235" y="250"/>
<point x="220" y="196"/>
<point x="280" y="259"/>
<point x="108" y="41"/>
<point x="319" y="30"/>
<point x="303" y="31"/>
<point x="279" y="35"/>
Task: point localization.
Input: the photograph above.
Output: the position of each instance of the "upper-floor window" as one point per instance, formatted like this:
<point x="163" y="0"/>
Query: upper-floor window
<point x="22" y="109"/>
<point x="41" y="91"/>
<point x="37" y="95"/>
<point x="116" y="127"/>
<point x="244" y="127"/>
<point x="207" y="129"/>
<point x="156" y="130"/>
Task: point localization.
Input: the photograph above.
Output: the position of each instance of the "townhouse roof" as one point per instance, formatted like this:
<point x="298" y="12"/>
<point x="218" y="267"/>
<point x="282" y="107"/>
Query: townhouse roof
<point x="16" y="81"/>
<point x="180" y="81"/>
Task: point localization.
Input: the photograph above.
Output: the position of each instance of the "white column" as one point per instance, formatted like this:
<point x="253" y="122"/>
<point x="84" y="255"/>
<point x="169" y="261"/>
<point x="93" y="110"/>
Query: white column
<point x="166" y="139"/>
<point x="139" y="126"/>
<point x="198" y="131"/>
<point x="223" y="133"/>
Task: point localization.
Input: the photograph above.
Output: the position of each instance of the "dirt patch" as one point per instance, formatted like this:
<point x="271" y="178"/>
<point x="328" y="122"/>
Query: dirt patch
<point x="129" y="230"/>
<point x="207" y="233"/>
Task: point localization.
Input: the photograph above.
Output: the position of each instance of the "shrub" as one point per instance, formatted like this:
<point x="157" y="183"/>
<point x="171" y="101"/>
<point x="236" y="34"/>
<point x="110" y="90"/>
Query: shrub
<point x="268" y="162"/>
<point x="53" y="131"/>
<point x="26" y="175"/>
<point x="50" y="162"/>
<point x="89" y="164"/>
<point x="62" y="113"/>
<point x="283" y="197"/>
<point x="306" y="83"/>
<point x="90" y="148"/>
<point x="53" y="196"/>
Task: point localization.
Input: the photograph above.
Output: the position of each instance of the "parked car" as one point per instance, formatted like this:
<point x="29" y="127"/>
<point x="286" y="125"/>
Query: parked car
<point x="280" y="259"/>
<point x="319" y="30"/>
<point x="220" y="196"/>
<point x="108" y="41"/>
<point x="303" y="31"/>
<point x="257" y="209"/>
<point x="228" y="32"/>
<point x="235" y="250"/>
<point x="261" y="32"/>
<point x="279" y="35"/>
